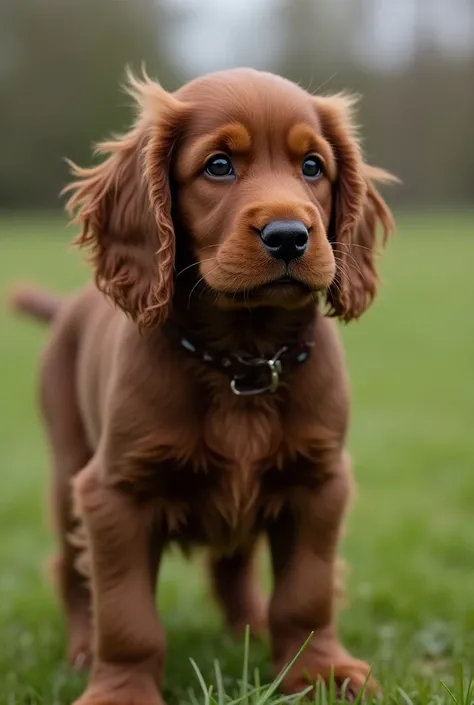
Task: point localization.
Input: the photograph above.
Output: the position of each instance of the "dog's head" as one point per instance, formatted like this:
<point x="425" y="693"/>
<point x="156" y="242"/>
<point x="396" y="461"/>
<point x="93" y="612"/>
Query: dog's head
<point x="266" y="182"/>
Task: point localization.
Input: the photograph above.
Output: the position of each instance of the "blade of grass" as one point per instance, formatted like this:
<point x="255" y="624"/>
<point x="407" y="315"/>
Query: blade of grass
<point x="206" y="691"/>
<point x="245" y="671"/>
<point x="257" y="683"/>
<point x="470" y="693"/>
<point x="344" y="688"/>
<point x="405" y="697"/>
<point x="192" y="697"/>
<point x="449" y="692"/>
<point x="219" y="682"/>
<point x="318" y="692"/>
<point x="276" y="683"/>
<point x="296" y="698"/>
<point x="361" y="692"/>
<point x="332" y="687"/>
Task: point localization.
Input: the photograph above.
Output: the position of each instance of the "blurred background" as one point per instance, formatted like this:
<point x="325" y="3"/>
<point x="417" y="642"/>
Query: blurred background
<point x="61" y="63"/>
<point x="411" y="533"/>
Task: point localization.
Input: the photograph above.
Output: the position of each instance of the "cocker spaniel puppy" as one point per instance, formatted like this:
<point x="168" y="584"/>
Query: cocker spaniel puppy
<point x="197" y="393"/>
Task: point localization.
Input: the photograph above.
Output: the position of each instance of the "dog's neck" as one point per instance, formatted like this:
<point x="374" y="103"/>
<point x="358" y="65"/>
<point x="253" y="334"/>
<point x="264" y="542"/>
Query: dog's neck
<point x="250" y="330"/>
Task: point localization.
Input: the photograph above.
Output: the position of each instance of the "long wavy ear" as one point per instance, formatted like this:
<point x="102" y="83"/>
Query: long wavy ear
<point x="123" y="206"/>
<point x="359" y="212"/>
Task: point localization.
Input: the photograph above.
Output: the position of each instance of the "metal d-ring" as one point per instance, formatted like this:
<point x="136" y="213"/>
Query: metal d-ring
<point x="275" y="369"/>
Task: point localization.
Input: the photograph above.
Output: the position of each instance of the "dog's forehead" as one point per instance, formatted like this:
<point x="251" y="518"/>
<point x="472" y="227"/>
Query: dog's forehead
<point x="259" y="100"/>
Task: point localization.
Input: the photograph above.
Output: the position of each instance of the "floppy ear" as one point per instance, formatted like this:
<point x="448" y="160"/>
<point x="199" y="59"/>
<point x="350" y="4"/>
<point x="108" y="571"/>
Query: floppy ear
<point x="357" y="215"/>
<point x="123" y="206"/>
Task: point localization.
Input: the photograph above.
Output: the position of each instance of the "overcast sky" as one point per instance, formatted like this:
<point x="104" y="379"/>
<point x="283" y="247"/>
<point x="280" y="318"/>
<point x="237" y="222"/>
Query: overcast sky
<point x="220" y="33"/>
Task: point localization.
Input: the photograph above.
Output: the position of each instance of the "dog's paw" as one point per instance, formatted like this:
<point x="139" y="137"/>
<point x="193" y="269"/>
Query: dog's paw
<point x="349" y="676"/>
<point x="352" y="677"/>
<point x="119" y="686"/>
<point x="119" y="697"/>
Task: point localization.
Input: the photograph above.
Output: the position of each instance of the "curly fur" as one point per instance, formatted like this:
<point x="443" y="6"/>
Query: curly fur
<point x="149" y="445"/>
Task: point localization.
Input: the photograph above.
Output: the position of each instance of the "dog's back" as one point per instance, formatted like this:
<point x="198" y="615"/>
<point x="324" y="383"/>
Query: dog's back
<point x="76" y="360"/>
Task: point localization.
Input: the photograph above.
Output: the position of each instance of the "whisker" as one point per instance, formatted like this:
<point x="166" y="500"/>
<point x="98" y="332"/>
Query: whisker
<point x="199" y="281"/>
<point x="355" y="265"/>
<point x="234" y="293"/>
<point x="342" y="266"/>
<point x="345" y="273"/>
<point x="355" y="244"/>
<point x="207" y="246"/>
<point x="314" y="296"/>
<point x="347" y="266"/>
<point x="194" y="264"/>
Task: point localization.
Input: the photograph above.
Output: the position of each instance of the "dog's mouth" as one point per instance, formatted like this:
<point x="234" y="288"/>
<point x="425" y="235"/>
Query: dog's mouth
<point x="282" y="291"/>
<point x="286" y="280"/>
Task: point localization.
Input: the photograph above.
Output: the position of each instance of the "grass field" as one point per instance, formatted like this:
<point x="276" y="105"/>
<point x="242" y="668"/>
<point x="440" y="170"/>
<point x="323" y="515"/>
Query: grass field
<point x="410" y="539"/>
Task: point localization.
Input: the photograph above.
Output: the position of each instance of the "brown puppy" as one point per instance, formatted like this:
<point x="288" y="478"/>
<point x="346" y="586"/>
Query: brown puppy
<point x="210" y="406"/>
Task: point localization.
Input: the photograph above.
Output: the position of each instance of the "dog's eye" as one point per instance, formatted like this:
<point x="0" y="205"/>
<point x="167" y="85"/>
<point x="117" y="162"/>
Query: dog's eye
<point x="312" y="167"/>
<point x="219" y="166"/>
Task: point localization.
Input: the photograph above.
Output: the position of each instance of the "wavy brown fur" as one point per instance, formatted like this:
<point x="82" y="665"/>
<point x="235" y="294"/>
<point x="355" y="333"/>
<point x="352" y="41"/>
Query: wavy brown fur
<point x="123" y="206"/>
<point x="149" y="445"/>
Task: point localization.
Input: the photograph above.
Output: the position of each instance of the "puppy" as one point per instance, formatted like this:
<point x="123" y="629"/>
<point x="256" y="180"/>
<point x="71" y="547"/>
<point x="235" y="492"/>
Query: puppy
<point x="197" y="393"/>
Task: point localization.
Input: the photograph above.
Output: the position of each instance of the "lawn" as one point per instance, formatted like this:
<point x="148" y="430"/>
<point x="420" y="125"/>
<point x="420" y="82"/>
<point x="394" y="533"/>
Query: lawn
<point x="410" y="538"/>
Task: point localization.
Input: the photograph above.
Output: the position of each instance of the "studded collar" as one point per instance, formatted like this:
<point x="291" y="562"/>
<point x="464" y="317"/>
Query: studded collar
<point x="249" y="375"/>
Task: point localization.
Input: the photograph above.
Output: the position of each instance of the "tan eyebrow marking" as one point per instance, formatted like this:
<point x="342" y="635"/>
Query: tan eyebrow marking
<point x="233" y="138"/>
<point x="303" y="140"/>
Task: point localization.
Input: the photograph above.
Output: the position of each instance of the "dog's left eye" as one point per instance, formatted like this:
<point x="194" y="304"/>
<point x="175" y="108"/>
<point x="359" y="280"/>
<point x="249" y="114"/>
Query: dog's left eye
<point x="312" y="167"/>
<point x="219" y="167"/>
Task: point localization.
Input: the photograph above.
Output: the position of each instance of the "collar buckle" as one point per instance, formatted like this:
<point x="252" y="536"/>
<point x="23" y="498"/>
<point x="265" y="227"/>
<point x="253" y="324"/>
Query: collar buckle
<point x="274" y="368"/>
<point x="250" y="376"/>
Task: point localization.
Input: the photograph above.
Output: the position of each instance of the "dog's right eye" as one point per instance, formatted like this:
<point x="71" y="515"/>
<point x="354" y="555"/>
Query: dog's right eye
<point x="219" y="167"/>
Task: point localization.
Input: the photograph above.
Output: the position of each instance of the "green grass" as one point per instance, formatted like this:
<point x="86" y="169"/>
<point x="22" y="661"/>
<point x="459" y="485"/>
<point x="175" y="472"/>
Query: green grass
<point x="410" y="538"/>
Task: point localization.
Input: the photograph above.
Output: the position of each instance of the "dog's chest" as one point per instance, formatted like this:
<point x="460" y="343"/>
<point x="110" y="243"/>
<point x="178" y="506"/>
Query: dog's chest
<point x="240" y="478"/>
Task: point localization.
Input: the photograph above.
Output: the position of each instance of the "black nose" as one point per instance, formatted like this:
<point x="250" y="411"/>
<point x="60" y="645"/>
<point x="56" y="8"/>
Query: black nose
<point x="285" y="239"/>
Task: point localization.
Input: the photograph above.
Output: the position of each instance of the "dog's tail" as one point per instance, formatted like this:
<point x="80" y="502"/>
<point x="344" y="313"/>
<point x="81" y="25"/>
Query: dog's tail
<point x="36" y="303"/>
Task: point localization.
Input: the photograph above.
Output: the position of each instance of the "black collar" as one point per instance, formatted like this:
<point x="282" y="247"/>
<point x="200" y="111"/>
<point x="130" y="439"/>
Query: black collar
<point x="249" y="376"/>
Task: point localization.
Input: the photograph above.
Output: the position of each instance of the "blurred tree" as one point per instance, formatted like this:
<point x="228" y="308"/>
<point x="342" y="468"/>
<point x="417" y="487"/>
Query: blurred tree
<point x="61" y="66"/>
<point x="61" y="63"/>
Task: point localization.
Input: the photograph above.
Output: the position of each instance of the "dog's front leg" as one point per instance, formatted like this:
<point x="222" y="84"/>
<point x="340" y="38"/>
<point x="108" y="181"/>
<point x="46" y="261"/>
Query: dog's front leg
<point x="303" y="543"/>
<point x="129" y="642"/>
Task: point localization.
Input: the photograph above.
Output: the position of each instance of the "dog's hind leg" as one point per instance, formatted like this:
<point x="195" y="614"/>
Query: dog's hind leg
<point x="236" y="587"/>
<point x="69" y="454"/>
